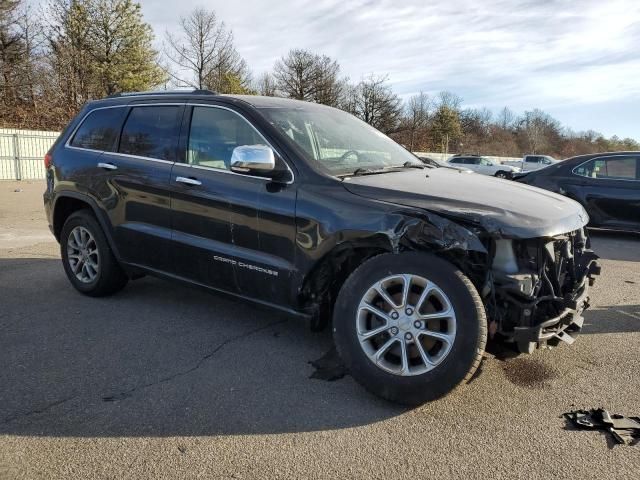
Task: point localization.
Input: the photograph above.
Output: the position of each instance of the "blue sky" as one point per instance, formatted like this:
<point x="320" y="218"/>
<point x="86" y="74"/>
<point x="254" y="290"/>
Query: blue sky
<point x="577" y="60"/>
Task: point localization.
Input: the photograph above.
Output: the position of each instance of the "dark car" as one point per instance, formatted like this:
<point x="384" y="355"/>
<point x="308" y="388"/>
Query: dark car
<point x="308" y="210"/>
<point x="606" y="184"/>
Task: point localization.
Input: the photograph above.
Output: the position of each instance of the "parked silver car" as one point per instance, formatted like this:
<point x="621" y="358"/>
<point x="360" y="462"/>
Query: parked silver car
<point x="529" y="163"/>
<point x="484" y="166"/>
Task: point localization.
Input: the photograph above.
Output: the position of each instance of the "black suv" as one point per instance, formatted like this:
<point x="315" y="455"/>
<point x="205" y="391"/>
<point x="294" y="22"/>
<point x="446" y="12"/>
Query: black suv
<point x="307" y="209"/>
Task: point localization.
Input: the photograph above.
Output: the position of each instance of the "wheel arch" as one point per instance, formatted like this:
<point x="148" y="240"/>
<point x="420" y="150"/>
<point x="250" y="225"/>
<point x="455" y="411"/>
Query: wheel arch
<point x="443" y="238"/>
<point x="320" y="286"/>
<point x="67" y="203"/>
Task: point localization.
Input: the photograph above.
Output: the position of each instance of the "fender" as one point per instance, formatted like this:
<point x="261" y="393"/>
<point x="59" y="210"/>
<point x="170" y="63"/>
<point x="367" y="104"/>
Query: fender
<point x="100" y="214"/>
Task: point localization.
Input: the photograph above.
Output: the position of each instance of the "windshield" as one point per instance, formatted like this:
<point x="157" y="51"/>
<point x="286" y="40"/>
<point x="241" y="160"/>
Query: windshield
<point x="338" y="142"/>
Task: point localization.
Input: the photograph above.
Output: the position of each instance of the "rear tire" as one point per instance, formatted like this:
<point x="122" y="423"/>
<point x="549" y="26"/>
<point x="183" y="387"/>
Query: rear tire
<point x="451" y="341"/>
<point x="87" y="258"/>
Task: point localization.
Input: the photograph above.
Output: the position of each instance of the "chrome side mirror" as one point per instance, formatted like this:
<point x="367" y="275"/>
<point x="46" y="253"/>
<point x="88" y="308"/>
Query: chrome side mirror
<point x="253" y="158"/>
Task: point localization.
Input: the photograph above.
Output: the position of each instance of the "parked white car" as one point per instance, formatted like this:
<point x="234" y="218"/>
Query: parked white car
<point x="532" y="162"/>
<point x="484" y="166"/>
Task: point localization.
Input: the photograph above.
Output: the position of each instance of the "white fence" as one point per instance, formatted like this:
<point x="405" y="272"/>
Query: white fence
<point x="22" y="153"/>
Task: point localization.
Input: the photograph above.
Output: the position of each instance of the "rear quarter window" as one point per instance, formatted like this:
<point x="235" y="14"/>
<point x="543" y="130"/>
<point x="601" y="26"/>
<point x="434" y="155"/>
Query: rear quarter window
<point x="152" y="132"/>
<point x="99" y="130"/>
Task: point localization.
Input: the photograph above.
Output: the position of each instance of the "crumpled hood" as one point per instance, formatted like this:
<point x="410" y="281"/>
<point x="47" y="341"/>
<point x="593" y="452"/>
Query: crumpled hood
<point x="501" y="207"/>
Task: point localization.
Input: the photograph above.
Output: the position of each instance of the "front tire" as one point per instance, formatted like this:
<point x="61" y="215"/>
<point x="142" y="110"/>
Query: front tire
<point x="502" y="174"/>
<point x="87" y="258"/>
<point x="410" y="327"/>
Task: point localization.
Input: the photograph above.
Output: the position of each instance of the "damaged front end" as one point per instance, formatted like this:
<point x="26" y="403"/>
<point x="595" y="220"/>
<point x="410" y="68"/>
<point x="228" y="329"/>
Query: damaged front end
<point x="524" y="249"/>
<point x="537" y="289"/>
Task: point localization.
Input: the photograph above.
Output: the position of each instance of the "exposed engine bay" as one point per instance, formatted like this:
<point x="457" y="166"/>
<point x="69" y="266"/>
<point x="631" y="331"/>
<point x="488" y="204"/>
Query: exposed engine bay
<point x="537" y="288"/>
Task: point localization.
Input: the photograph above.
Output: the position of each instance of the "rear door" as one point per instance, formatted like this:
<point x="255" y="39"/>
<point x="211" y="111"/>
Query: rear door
<point x="610" y="190"/>
<point x="487" y="167"/>
<point x="231" y="231"/>
<point x="134" y="183"/>
<point x="477" y="165"/>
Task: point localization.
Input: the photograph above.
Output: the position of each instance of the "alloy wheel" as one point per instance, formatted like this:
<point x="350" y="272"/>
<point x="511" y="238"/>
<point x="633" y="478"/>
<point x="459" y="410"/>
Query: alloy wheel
<point x="406" y="324"/>
<point x="82" y="254"/>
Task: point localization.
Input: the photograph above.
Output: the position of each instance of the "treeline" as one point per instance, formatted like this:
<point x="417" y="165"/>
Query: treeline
<point x="56" y="57"/>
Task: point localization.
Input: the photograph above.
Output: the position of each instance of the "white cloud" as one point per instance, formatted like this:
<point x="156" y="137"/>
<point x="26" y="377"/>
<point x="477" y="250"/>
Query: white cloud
<point x="551" y="54"/>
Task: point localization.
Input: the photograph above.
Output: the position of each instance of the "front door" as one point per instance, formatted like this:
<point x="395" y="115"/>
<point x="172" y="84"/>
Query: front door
<point x="231" y="231"/>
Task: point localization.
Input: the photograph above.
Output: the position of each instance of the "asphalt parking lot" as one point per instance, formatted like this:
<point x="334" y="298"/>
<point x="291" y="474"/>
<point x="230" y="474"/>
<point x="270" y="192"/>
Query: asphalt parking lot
<point x="164" y="381"/>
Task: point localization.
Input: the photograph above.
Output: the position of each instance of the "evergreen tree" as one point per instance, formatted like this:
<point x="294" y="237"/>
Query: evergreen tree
<point x="121" y="47"/>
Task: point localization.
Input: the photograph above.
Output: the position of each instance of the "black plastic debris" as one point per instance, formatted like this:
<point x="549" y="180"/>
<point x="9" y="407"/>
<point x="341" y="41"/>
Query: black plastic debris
<point x="624" y="430"/>
<point x="329" y="367"/>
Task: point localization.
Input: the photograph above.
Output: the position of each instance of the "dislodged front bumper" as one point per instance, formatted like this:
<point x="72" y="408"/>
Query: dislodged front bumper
<point x="563" y="327"/>
<point x="542" y="302"/>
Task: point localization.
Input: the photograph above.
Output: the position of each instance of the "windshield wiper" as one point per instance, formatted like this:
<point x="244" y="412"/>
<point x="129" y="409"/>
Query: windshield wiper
<point x="368" y="171"/>
<point x="362" y="171"/>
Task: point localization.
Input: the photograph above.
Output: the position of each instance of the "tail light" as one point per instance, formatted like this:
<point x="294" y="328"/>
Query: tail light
<point x="48" y="160"/>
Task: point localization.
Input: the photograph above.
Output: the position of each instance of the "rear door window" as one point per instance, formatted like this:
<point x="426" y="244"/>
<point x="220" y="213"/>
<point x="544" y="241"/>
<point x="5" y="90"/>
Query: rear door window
<point x="152" y="132"/>
<point x="100" y="130"/>
<point x="614" y="168"/>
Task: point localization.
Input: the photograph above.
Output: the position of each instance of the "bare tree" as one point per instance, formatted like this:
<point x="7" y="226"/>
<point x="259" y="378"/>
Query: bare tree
<point x="304" y="75"/>
<point x="31" y="32"/>
<point x="476" y="121"/>
<point x="417" y="115"/>
<point x="506" y="119"/>
<point x="204" y="54"/>
<point x="328" y="87"/>
<point x="12" y="48"/>
<point x="349" y="99"/>
<point x="539" y="130"/>
<point x="375" y="103"/>
<point x="449" y="100"/>
<point x="266" y="85"/>
<point x="295" y="74"/>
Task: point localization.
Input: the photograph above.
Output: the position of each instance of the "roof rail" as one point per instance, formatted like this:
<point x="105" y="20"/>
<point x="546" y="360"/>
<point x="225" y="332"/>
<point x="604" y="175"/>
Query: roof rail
<point x="162" y="92"/>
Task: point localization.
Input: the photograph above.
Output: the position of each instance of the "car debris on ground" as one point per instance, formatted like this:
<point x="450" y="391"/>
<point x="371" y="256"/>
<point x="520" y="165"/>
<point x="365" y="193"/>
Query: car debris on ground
<point x="624" y="430"/>
<point x="329" y="367"/>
